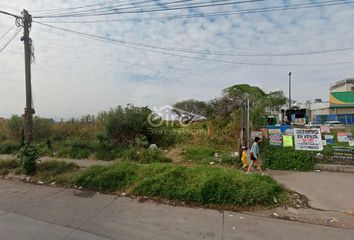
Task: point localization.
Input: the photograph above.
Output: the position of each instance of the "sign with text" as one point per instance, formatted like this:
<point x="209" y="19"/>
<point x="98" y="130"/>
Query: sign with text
<point x="275" y="137"/>
<point x="344" y="136"/>
<point x="329" y="139"/>
<point x="308" y="139"/>
<point x="287" y="141"/>
<point x="343" y="153"/>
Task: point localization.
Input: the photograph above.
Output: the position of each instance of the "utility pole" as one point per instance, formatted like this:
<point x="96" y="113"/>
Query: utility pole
<point x="289" y="119"/>
<point x="29" y="111"/>
<point x="248" y="122"/>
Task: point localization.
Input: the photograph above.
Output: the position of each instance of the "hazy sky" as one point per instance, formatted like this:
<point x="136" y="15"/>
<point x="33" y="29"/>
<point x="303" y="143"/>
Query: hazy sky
<point x="73" y="75"/>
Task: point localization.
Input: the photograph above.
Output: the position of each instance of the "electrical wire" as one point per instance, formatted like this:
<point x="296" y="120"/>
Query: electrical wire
<point x="2" y="36"/>
<point x="215" y="14"/>
<point x="10" y="40"/>
<point x="163" y="5"/>
<point x="9" y="14"/>
<point x="159" y="50"/>
<point x="115" y="12"/>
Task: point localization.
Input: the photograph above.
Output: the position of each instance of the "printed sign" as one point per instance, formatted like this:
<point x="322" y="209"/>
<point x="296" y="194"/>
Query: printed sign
<point x="289" y="132"/>
<point x="275" y="137"/>
<point x="308" y="139"/>
<point x="343" y="153"/>
<point x="344" y="136"/>
<point x="329" y="139"/>
<point x="325" y="129"/>
<point x="287" y="141"/>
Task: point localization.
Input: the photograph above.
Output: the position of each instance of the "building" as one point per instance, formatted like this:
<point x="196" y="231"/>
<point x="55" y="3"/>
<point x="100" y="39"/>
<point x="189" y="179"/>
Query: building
<point x="340" y="106"/>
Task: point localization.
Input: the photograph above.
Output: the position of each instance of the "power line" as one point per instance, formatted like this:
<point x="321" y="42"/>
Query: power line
<point x="115" y="12"/>
<point x="9" y="14"/>
<point x="2" y="36"/>
<point x="159" y="50"/>
<point x="10" y="40"/>
<point x="216" y="14"/>
<point x="207" y="52"/>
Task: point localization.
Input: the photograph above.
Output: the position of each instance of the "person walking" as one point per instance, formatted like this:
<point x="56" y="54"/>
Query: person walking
<point x="244" y="158"/>
<point x="254" y="154"/>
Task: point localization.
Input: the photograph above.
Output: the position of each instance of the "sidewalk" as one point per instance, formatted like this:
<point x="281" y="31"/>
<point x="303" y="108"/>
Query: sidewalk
<point x="81" y="162"/>
<point x="41" y="212"/>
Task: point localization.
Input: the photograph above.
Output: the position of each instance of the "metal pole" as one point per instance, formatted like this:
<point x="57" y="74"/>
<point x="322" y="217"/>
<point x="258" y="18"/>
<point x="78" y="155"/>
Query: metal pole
<point x="289" y="119"/>
<point x="27" y="22"/>
<point x="248" y="122"/>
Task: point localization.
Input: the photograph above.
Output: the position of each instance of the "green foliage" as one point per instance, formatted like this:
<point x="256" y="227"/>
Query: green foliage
<point x="6" y="165"/>
<point x="198" y="184"/>
<point x="205" y="154"/>
<point x="286" y="158"/>
<point x="42" y="128"/>
<point x="28" y="155"/>
<point x="9" y="147"/>
<point x="144" y="156"/>
<point x="50" y="169"/>
<point x="108" y="178"/>
<point x="15" y="127"/>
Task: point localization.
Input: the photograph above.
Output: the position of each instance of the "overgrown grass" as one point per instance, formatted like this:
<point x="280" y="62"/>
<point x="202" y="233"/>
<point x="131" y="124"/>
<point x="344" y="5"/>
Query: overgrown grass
<point x="204" y="154"/>
<point x="50" y="169"/>
<point x="7" y="165"/>
<point x="145" y="156"/>
<point x="197" y="184"/>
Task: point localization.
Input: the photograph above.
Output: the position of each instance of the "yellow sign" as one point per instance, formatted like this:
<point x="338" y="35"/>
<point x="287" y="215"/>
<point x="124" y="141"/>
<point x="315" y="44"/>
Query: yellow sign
<point x="287" y="141"/>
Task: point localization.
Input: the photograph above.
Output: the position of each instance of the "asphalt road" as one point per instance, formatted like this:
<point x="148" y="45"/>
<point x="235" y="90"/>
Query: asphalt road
<point x="41" y="212"/>
<point x="326" y="190"/>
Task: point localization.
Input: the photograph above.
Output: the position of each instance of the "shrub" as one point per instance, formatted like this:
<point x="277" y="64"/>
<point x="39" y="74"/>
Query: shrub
<point x="29" y="155"/>
<point x="9" y="147"/>
<point x="287" y="158"/>
<point x="199" y="154"/>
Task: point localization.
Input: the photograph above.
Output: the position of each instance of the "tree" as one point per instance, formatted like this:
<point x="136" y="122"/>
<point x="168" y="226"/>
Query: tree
<point x="190" y="110"/>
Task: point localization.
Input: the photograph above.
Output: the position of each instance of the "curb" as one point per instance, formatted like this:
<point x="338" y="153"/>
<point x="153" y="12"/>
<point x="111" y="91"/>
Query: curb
<point x="335" y="168"/>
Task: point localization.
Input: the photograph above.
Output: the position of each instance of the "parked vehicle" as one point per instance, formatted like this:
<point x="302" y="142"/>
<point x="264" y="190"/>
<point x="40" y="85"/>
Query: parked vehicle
<point x="313" y="125"/>
<point x="334" y="124"/>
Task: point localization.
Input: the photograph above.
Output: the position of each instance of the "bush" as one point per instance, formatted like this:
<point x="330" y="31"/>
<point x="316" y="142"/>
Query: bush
<point x="28" y="155"/>
<point x="280" y="158"/>
<point x="199" y="154"/>
<point x="198" y="184"/>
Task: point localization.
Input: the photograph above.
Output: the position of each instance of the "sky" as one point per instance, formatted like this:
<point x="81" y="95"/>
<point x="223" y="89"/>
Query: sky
<point x="73" y="76"/>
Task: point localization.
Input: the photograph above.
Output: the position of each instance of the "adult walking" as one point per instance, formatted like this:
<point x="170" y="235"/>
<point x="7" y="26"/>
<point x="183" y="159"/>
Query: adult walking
<point x="255" y="155"/>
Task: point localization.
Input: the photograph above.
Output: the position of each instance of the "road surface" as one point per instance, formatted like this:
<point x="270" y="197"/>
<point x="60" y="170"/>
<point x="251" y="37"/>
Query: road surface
<point x="47" y="213"/>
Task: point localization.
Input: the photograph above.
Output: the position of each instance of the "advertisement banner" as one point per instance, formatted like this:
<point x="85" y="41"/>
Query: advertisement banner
<point x="344" y="136"/>
<point x="287" y="141"/>
<point x="329" y="139"/>
<point x="343" y="153"/>
<point x="275" y="137"/>
<point x="308" y="139"/>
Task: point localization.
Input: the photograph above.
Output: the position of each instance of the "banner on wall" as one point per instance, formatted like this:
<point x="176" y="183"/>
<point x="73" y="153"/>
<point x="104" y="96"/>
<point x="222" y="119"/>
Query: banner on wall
<point x="308" y="139"/>
<point x="343" y="153"/>
<point x="344" y="136"/>
<point x="287" y="141"/>
<point x="275" y="137"/>
<point x="329" y="139"/>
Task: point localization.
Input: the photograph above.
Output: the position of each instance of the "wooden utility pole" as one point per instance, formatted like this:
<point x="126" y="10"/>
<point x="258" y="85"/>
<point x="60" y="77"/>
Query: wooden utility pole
<point x="29" y="111"/>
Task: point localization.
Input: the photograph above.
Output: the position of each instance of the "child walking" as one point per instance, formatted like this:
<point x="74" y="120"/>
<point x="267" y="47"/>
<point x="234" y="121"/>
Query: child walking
<point x="244" y="158"/>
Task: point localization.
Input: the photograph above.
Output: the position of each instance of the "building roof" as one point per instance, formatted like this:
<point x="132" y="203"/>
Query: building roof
<point x="342" y="83"/>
